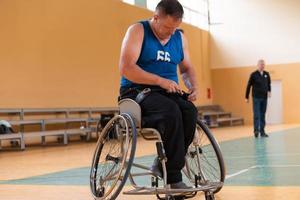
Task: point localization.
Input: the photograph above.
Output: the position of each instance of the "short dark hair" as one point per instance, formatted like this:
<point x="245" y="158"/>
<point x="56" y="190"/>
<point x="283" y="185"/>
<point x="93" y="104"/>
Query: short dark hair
<point x="180" y="30"/>
<point x="170" y="7"/>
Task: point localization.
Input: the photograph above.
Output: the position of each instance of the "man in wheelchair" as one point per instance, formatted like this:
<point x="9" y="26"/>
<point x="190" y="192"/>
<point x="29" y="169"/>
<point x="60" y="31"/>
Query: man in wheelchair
<point x="150" y="53"/>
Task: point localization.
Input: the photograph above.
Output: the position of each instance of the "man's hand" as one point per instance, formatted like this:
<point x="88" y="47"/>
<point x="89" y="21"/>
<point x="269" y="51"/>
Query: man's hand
<point x="193" y="94"/>
<point x="169" y="85"/>
<point x="269" y="94"/>
<point x="247" y="100"/>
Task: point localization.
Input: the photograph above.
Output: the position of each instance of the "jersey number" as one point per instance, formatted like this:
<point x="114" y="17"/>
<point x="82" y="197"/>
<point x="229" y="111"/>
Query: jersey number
<point x="163" y="56"/>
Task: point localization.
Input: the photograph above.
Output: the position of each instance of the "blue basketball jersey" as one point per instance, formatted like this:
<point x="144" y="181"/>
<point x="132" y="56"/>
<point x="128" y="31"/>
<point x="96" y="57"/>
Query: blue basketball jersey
<point x="156" y="58"/>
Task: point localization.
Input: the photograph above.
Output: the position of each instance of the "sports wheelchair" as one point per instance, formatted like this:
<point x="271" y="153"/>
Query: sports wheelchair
<point x="114" y="155"/>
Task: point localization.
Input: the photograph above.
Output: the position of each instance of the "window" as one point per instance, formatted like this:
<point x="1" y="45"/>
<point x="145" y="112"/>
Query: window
<point x="196" y="12"/>
<point x="151" y="4"/>
<point x="129" y="1"/>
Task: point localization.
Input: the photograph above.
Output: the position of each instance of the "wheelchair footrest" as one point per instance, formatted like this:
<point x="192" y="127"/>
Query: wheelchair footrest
<point x="176" y="197"/>
<point x="161" y="190"/>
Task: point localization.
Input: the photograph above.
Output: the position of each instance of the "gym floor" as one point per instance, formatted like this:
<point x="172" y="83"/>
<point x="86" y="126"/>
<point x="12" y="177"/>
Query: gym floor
<point x="257" y="168"/>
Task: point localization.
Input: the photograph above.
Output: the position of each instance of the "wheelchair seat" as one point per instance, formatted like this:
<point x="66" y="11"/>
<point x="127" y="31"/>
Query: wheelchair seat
<point x="132" y="108"/>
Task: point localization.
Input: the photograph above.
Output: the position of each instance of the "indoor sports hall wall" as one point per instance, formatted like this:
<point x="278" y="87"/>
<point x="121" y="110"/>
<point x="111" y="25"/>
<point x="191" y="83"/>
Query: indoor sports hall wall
<point x="58" y="53"/>
<point x="245" y="32"/>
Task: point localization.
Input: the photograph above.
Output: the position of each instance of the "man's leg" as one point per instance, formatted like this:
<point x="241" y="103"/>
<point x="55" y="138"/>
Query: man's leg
<point x="256" y="115"/>
<point x="263" y="108"/>
<point x="189" y="117"/>
<point x="163" y="114"/>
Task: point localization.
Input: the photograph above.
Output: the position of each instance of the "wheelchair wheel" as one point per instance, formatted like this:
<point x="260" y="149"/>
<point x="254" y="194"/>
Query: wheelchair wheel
<point x="113" y="157"/>
<point x="204" y="160"/>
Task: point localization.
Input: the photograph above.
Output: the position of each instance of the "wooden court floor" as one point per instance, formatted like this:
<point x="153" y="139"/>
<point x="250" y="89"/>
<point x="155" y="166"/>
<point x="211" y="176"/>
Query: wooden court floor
<point x="257" y="169"/>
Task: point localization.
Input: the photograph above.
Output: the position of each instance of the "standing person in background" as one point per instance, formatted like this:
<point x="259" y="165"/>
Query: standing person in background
<point x="260" y="81"/>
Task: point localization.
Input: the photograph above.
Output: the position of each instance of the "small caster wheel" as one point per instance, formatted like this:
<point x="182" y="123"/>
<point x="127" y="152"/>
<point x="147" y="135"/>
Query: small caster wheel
<point x="170" y="197"/>
<point x="179" y="197"/>
<point x="209" y="196"/>
<point x="100" y="192"/>
<point x="154" y="181"/>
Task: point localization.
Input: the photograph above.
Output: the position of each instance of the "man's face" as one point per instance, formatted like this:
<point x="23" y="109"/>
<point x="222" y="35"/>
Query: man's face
<point x="165" y="25"/>
<point x="261" y="65"/>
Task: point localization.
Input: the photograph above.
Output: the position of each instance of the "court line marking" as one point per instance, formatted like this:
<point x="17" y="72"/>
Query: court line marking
<point x="258" y="166"/>
<point x="265" y="155"/>
<point x="276" y="166"/>
<point x="240" y="172"/>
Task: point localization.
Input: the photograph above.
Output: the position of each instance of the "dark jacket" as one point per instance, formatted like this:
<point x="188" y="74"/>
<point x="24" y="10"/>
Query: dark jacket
<point x="261" y="85"/>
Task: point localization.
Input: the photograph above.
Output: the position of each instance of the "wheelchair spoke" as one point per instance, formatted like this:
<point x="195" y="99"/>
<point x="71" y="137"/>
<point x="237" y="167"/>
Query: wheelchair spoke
<point x="209" y="173"/>
<point x="204" y="160"/>
<point x="109" y="169"/>
<point x="208" y="161"/>
<point x="109" y="162"/>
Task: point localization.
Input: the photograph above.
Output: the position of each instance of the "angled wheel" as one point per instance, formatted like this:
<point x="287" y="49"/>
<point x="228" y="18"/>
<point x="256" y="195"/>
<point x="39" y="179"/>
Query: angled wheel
<point x="204" y="160"/>
<point x="113" y="157"/>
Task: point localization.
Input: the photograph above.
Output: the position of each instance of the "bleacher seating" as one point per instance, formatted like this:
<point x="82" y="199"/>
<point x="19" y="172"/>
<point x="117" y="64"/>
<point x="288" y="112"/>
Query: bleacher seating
<point x="215" y="116"/>
<point x="75" y="121"/>
<point x="81" y="121"/>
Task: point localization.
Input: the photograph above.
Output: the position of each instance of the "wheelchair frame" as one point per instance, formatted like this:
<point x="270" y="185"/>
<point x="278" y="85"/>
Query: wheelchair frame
<point x="129" y="120"/>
